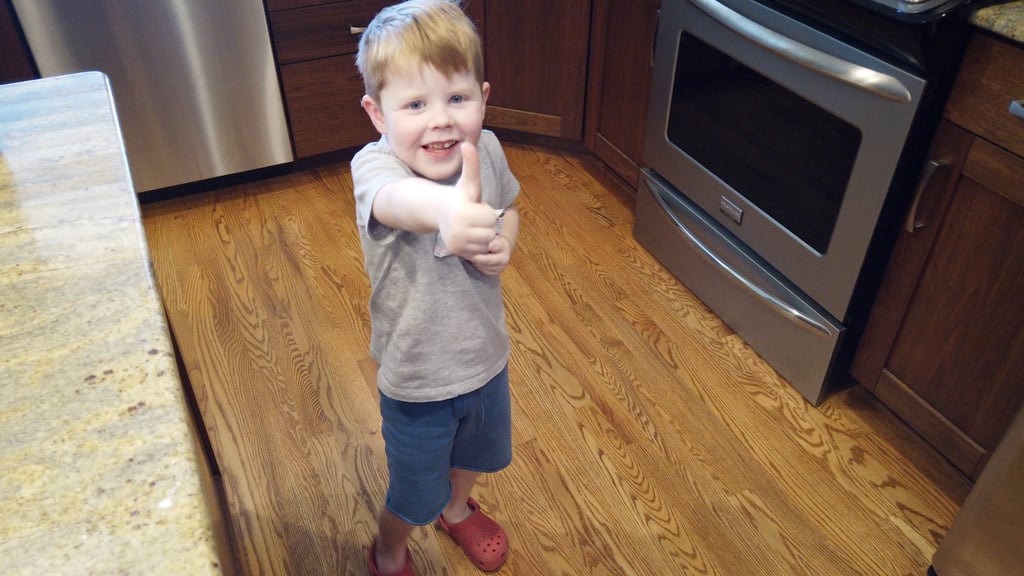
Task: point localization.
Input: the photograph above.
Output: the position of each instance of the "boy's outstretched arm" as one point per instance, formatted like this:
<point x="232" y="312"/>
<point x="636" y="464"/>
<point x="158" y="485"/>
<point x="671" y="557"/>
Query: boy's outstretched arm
<point x="418" y="205"/>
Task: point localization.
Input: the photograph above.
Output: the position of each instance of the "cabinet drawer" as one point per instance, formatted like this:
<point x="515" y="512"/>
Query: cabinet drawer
<point x="322" y="97"/>
<point x="321" y="31"/>
<point x="997" y="170"/>
<point x="992" y="76"/>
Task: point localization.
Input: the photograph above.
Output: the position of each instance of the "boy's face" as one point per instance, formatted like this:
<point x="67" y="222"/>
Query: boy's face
<point x="426" y="115"/>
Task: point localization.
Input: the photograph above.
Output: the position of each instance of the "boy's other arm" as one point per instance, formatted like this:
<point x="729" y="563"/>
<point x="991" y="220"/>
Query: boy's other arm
<point x="510" y="226"/>
<point x="500" y="249"/>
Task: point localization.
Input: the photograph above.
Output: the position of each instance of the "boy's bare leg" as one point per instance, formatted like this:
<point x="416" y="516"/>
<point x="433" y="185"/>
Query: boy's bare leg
<point x="462" y="484"/>
<point x="391" y="542"/>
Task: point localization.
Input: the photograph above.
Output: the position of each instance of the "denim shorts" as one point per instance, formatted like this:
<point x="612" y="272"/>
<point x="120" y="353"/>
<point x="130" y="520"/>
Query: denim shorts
<point x="425" y="440"/>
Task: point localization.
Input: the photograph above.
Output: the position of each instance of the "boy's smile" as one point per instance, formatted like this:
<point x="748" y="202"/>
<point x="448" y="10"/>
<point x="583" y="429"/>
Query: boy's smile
<point x="426" y="115"/>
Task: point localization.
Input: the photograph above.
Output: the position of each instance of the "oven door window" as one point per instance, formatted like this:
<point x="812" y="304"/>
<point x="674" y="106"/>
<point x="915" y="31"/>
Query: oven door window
<point x="785" y="155"/>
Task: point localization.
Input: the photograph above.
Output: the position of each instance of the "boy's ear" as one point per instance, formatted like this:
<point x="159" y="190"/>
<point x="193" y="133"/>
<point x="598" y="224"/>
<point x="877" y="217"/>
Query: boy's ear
<point x="374" y="112"/>
<point x="485" y="89"/>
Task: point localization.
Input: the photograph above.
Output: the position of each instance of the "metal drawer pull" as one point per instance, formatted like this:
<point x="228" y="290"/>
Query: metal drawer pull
<point x="356" y="30"/>
<point x="1017" y="108"/>
<point x="913" y="224"/>
<point x="855" y="75"/>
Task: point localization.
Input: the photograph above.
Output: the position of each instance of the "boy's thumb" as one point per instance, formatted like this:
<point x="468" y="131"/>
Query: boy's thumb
<point x="469" y="181"/>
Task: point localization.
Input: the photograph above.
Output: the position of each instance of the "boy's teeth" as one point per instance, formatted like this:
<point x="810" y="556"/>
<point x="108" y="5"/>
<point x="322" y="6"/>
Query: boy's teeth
<point x="440" y="145"/>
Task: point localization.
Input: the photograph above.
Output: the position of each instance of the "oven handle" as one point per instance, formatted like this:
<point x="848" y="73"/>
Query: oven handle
<point x="791" y="313"/>
<point x="864" y="78"/>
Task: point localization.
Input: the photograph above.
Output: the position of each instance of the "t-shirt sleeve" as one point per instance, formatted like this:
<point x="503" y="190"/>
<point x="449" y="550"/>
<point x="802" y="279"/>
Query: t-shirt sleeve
<point x="374" y="167"/>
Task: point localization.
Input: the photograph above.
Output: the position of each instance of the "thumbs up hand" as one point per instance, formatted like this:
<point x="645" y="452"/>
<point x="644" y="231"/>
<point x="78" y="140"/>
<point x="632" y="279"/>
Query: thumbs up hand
<point x="467" y="226"/>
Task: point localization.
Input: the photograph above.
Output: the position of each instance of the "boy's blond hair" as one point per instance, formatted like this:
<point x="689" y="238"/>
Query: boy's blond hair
<point x="404" y="36"/>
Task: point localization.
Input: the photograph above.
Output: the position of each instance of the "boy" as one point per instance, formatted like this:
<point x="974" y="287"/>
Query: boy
<point x="434" y="206"/>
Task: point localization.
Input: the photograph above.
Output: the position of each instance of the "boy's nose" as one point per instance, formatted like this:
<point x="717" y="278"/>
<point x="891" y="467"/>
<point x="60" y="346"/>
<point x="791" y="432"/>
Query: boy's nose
<point x="440" y="118"/>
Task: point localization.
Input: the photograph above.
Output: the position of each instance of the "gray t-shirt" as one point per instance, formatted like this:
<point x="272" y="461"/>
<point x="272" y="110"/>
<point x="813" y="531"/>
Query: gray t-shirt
<point x="438" y="323"/>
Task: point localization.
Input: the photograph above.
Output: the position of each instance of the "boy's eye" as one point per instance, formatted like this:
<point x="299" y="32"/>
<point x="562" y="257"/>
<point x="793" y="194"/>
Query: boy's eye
<point x="457" y="99"/>
<point x="416" y="105"/>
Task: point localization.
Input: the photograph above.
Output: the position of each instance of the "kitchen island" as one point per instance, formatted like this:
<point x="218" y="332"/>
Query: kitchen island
<point x="101" y="470"/>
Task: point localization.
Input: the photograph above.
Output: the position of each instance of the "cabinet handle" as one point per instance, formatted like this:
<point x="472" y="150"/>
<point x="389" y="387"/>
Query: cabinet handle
<point x="356" y="30"/>
<point x="913" y="224"/>
<point x="1017" y="108"/>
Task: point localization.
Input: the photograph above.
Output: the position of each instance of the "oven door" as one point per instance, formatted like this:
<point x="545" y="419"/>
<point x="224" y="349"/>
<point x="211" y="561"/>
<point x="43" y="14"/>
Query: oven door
<point x="784" y="135"/>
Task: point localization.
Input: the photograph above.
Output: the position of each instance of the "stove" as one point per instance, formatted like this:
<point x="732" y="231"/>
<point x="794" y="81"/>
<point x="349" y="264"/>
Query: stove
<point x="783" y="141"/>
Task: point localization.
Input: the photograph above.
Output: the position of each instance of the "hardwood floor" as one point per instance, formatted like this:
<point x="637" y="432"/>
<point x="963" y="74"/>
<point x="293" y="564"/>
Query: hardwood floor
<point x="649" y="439"/>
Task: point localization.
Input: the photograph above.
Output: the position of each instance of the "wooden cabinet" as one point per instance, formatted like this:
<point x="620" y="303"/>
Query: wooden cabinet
<point x="535" y="54"/>
<point x="621" y="56"/>
<point x="535" y="59"/>
<point x="944" y="344"/>
<point x="315" y="44"/>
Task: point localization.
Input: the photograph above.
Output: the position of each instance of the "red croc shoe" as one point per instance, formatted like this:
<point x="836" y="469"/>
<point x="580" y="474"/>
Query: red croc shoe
<point x="481" y="538"/>
<point x="371" y="561"/>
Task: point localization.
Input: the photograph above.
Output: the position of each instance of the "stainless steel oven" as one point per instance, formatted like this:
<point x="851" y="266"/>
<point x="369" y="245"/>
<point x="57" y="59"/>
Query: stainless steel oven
<point x="773" y="146"/>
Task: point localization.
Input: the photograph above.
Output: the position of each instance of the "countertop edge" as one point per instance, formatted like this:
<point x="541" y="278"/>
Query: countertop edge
<point x="101" y="471"/>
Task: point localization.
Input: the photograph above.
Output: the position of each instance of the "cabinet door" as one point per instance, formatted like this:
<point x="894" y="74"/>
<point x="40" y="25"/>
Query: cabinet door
<point x="323" y="105"/>
<point x="944" y="346"/>
<point x="535" y="54"/>
<point x="621" y="56"/>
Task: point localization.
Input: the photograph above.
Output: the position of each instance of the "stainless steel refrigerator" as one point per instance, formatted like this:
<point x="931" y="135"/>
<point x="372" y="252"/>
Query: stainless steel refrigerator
<point x="987" y="537"/>
<point x="194" y="81"/>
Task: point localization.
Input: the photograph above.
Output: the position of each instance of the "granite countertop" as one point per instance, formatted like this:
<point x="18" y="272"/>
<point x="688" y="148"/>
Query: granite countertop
<point x="1006" y="19"/>
<point x="100" y="471"/>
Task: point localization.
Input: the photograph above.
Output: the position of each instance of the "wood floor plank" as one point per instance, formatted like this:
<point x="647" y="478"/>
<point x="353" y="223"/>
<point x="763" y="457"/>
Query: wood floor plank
<point x="648" y="438"/>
